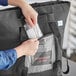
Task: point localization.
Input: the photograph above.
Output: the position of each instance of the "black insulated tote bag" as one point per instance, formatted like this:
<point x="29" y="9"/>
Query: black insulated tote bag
<point x="51" y="20"/>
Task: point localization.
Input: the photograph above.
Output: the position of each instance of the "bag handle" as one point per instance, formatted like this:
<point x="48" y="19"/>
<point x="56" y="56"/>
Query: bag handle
<point x="68" y="67"/>
<point x="56" y="33"/>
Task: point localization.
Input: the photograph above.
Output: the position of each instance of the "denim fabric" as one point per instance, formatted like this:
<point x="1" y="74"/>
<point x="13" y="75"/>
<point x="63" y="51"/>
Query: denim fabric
<point x="7" y="59"/>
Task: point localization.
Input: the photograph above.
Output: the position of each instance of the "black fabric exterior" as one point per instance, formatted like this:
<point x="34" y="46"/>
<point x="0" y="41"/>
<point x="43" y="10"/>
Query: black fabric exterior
<point x="12" y="33"/>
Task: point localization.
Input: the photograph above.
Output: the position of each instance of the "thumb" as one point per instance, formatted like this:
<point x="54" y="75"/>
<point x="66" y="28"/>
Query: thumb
<point x="34" y="40"/>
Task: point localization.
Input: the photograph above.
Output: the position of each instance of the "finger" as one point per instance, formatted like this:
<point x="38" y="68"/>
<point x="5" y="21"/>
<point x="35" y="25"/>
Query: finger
<point x="37" y="42"/>
<point x="29" y="20"/>
<point x="34" y="20"/>
<point x="34" y="40"/>
<point x="26" y="21"/>
<point x="33" y="53"/>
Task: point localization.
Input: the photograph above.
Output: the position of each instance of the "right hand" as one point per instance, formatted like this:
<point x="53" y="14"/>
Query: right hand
<point x="28" y="47"/>
<point x="29" y="13"/>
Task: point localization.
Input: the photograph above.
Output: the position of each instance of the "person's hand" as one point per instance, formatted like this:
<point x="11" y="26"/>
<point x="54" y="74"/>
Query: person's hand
<point x="30" y="14"/>
<point x="28" y="48"/>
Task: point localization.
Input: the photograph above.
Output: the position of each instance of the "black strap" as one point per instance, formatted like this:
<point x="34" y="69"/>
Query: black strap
<point x="55" y="30"/>
<point x="68" y="67"/>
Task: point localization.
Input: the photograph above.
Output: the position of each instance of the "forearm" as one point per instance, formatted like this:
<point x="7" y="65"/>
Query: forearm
<point x="19" y="51"/>
<point x="19" y="3"/>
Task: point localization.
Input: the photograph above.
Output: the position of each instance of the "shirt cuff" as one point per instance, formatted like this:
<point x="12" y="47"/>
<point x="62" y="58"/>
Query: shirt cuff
<point x="4" y="2"/>
<point x="7" y="58"/>
<point x="12" y="54"/>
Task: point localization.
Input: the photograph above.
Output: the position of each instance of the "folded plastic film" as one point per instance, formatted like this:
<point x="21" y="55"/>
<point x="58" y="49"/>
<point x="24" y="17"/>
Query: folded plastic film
<point x="33" y="32"/>
<point x="45" y="54"/>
